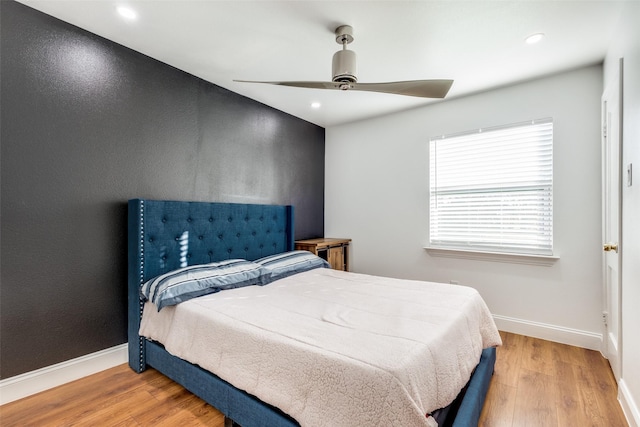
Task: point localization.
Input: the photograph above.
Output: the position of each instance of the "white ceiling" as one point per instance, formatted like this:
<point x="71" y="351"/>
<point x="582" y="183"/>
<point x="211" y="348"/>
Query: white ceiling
<point x="479" y="44"/>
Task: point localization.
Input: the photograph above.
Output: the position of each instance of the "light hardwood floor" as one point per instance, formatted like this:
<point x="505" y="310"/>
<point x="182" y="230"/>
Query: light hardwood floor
<point x="542" y="383"/>
<point x="536" y="383"/>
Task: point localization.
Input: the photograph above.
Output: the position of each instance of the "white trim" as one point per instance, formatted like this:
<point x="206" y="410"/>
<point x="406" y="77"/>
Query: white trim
<point x="33" y="382"/>
<point x="576" y="337"/>
<point x="629" y="406"/>
<point x="544" y="260"/>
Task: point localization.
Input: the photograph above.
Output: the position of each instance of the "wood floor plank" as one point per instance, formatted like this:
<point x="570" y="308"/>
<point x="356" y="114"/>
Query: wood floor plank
<point x="587" y="394"/>
<point x="570" y="409"/>
<point x="509" y="355"/>
<point x="499" y="406"/>
<point x="570" y="354"/>
<point x="538" y="355"/>
<point x="192" y="413"/>
<point x="536" y="399"/>
<point x="114" y="410"/>
<point x="536" y="383"/>
<point x="597" y="384"/>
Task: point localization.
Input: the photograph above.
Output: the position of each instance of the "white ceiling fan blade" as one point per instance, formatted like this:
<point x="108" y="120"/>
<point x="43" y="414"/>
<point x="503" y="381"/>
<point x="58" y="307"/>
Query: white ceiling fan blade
<point x="420" y="88"/>
<point x="310" y="85"/>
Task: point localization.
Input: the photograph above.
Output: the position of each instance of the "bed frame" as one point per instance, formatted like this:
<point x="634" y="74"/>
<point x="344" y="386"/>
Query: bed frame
<point x="166" y="235"/>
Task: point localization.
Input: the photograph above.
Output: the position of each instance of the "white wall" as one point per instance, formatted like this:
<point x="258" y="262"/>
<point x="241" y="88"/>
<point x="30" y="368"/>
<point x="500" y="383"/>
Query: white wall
<point x="376" y="192"/>
<point x="627" y="46"/>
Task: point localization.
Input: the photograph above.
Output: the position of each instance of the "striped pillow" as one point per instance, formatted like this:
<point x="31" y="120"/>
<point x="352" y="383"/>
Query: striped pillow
<point x="288" y="263"/>
<point x="196" y="280"/>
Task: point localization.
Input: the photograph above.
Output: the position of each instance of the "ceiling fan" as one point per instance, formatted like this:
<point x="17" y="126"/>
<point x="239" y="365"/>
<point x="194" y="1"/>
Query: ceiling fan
<point x="344" y="76"/>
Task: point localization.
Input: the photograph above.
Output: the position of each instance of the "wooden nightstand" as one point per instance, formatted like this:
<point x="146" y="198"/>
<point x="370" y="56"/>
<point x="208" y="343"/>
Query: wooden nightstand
<point x="335" y="251"/>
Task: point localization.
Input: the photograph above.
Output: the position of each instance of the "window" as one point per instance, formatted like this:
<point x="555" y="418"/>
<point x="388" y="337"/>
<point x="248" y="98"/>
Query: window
<point x="491" y="189"/>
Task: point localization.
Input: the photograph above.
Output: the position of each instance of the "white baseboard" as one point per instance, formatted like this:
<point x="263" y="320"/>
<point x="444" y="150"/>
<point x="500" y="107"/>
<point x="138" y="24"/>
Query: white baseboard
<point x="629" y="406"/>
<point x="575" y="337"/>
<point x="33" y="382"/>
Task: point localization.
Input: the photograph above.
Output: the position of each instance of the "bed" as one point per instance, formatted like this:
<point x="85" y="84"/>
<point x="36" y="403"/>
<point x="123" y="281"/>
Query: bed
<point x="167" y="236"/>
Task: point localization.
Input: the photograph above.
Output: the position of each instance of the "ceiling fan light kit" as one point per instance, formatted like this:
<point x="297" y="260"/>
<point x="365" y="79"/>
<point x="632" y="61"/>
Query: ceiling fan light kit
<point x="344" y="76"/>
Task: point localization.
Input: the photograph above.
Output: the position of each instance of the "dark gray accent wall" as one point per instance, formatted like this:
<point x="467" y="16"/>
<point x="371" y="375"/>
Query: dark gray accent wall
<point x="87" y="124"/>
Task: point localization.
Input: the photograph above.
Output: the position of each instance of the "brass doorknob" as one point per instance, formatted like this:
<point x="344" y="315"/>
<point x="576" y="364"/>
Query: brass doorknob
<point x="610" y="247"/>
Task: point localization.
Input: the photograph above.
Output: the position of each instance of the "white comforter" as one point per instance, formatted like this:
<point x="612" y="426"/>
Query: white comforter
<point x="332" y="348"/>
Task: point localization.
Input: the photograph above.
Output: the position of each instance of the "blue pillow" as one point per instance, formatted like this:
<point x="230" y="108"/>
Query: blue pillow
<point x="196" y="280"/>
<point x="289" y="263"/>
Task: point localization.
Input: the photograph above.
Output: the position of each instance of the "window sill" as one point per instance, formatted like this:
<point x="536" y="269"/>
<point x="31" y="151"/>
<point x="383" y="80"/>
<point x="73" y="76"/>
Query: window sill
<point x="542" y="260"/>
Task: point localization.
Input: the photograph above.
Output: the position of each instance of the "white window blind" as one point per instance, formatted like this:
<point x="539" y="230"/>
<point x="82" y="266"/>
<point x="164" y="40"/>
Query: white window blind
<point x="491" y="189"/>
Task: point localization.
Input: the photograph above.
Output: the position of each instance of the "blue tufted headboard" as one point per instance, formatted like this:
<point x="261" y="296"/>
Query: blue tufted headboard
<point x="166" y="235"/>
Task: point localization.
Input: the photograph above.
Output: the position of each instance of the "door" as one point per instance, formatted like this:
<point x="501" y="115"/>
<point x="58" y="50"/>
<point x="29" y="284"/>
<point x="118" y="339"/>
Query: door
<point x="611" y="177"/>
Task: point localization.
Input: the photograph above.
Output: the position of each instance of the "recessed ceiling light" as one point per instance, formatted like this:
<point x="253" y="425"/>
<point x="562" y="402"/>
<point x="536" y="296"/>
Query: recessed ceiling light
<point x="534" y="38"/>
<point x="315" y="105"/>
<point x="127" y="13"/>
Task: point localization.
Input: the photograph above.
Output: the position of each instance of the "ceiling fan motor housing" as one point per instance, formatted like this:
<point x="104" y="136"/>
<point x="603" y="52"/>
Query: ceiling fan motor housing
<point x="344" y="66"/>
